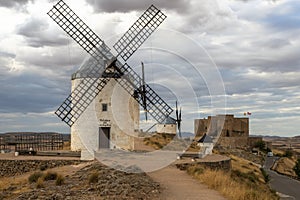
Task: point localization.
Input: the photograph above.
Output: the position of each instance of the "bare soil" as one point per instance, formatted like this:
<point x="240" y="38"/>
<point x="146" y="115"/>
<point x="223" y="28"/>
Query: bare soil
<point x="176" y="184"/>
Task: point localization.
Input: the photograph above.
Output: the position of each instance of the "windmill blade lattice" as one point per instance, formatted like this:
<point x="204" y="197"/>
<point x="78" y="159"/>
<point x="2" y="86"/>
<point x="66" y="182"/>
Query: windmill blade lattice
<point x="64" y="16"/>
<point x="80" y="99"/>
<point x="131" y="81"/>
<point x="139" y="32"/>
<point x="88" y="89"/>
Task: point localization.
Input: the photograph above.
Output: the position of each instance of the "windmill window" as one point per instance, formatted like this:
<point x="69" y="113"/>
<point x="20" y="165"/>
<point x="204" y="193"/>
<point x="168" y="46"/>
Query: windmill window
<point x="104" y="107"/>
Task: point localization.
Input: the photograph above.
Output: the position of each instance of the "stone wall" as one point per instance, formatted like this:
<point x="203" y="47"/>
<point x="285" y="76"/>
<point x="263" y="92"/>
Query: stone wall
<point x="223" y="165"/>
<point x="17" y="167"/>
<point x="233" y="142"/>
<point x="226" y="125"/>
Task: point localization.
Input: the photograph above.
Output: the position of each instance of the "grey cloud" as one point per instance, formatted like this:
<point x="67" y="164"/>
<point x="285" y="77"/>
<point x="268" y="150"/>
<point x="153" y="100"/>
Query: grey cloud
<point x="274" y="43"/>
<point x="30" y="92"/>
<point x="37" y="34"/>
<point x="13" y="3"/>
<point x="127" y="6"/>
<point x="7" y="55"/>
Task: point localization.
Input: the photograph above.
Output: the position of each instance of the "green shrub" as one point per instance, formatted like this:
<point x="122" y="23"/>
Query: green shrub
<point x="261" y="145"/>
<point x="265" y="175"/>
<point x="93" y="178"/>
<point x="50" y="176"/>
<point x="33" y="178"/>
<point x="297" y="168"/>
<point x="60" y="180"/>
<point x="288" y="154"/>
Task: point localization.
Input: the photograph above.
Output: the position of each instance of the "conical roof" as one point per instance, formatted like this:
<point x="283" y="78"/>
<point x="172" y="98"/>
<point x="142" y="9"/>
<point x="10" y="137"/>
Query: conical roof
<point x="205" y="139"/>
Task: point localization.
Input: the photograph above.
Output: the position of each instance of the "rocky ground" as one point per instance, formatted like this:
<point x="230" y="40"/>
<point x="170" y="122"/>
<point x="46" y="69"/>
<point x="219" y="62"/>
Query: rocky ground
<point x="10" y="168"/>
<point x="106" y="183"/>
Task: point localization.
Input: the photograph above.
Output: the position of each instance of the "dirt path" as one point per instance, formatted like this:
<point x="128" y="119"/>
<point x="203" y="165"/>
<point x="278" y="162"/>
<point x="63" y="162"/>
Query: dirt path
<point x="178" y="184"/>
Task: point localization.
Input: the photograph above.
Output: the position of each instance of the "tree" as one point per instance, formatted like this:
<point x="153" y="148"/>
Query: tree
<point x="261" y="145"/>
<point x="297" y="168"/>
<point x="288" y="153"/>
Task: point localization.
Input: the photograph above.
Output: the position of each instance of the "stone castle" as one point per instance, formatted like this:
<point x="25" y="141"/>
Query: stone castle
<point x="234" y="132"/>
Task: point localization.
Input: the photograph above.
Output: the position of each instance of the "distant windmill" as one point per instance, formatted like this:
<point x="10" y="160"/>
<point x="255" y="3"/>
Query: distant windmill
<point x="178" y="119"/>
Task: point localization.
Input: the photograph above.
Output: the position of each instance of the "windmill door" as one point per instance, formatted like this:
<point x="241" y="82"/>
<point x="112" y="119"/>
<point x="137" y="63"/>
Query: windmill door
<point x="104" y="137"/>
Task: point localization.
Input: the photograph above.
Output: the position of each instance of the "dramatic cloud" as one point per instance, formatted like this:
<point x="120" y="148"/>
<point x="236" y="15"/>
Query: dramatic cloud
<point x="38" y="34"/>
<point x="253" y="45"/>
<point x="133" y="5"/>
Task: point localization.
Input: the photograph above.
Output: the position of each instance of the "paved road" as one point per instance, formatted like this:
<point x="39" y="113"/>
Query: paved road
<point x="289" y="188"/>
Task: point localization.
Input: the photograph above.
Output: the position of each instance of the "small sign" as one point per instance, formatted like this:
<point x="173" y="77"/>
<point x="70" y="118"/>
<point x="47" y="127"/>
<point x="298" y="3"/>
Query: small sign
<point x="105" y="123"/>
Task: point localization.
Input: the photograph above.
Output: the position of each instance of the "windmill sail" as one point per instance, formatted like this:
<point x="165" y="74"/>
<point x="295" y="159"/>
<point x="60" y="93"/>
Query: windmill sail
<point x="89" y="88"/>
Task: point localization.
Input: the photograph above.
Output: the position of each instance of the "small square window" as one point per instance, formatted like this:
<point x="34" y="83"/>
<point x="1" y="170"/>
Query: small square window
<point x="104" y="107"/>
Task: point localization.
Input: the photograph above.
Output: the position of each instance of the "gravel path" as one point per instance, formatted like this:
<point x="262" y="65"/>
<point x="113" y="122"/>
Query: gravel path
<point x="178" y="184"/>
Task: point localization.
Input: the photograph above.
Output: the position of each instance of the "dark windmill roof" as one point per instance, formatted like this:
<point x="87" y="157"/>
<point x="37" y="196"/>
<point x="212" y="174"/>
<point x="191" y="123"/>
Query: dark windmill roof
<point x="89" y="65"/>
<point x="205" y="139"/>
<point x="169" y="120"/>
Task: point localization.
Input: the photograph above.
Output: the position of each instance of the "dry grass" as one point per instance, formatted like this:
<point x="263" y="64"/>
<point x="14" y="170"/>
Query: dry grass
<point x="60" y="180"/>
<point x="285" y="166"/>
<point x="159" y="140"/>
<point x="246" y="166"/>
<point x="93" y="177"/>
<point x="67" y="146"/>
<point x="11" y="181"/>
<point x="40" y="183"/>
<point x="231" y="186"/>
<point x="244" y="182"/>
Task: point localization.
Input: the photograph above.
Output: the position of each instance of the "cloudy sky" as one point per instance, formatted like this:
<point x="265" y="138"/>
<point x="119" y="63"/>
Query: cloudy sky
<point x="244" y="52"/>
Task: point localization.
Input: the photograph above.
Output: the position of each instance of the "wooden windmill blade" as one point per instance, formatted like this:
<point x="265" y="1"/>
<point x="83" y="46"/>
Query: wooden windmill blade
<point x="131" y="81"/>
<point x="178" y="119"/>
<point x="144" y="91"/>
<point x="76" y="103"/>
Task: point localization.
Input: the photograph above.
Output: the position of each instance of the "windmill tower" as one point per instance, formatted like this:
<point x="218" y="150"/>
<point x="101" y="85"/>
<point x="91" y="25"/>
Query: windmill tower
<point x="105" y="84"/>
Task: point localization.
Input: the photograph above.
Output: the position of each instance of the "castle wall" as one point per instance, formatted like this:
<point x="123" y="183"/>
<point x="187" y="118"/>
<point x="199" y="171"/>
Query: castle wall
<point x="234" y="132"/>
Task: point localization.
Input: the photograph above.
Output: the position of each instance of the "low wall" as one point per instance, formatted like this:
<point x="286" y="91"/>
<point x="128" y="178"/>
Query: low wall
<point x="18" y="167"/>
<point x="233" y="142"/>
<point x="211" y="161"/>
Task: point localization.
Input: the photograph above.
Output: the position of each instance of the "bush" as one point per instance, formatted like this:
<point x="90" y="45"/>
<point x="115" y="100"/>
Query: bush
<point x="50" y="176"/>
<point x="261" y="145"/>
<point x="93" y="178"/>
<point x="60" y="180"/>
<point x="288" y="154"/>
<point x="238" y="175"/>
<point x="297" y="168"/>
<point x="33" y="178"/>
<point x="40" y="182"/>
<point x="195" y="170"/>
<point x="265" y="175"/>
<point x="43" y="167"/>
